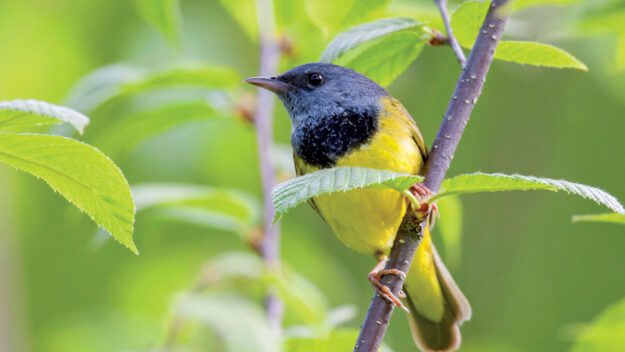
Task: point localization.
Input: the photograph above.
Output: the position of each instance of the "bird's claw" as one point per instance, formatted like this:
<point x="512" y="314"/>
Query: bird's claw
<point x="421" y="192"/>
<point x="375" y="277"/>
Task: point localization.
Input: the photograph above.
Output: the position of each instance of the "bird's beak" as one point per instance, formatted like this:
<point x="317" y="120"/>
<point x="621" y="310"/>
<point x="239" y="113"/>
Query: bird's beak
<point x="269" y="83"/>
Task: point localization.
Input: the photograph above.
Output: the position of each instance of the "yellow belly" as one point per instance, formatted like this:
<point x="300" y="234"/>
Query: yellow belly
<point x="367" y="220"/>
<point x="374" y="216"/>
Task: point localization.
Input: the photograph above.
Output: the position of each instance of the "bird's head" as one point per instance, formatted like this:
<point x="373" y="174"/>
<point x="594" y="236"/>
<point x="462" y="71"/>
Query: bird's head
<point x="316" y="90"/>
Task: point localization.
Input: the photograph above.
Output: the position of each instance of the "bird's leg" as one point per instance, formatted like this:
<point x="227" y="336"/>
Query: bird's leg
<point x="426" y="209"/>
<point x="375" y="277"/>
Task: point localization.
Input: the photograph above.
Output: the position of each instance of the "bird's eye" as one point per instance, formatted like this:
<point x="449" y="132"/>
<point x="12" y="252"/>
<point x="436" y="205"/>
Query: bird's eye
<point x="315" y="78"/>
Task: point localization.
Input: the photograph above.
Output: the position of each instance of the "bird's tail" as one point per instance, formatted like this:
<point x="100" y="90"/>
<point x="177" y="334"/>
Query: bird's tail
<point x="437" y="306"/>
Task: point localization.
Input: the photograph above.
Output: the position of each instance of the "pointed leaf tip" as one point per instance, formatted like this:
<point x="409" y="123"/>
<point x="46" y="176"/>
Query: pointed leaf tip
<point x="79" y="172"/>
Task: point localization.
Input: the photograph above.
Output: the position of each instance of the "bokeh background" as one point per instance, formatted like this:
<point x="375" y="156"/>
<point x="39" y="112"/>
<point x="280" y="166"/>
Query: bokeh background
<point x="533" y="277"/>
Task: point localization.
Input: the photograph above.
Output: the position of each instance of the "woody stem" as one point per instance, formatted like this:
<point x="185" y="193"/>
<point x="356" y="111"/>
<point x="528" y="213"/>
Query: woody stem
<point x="467" y="91"/>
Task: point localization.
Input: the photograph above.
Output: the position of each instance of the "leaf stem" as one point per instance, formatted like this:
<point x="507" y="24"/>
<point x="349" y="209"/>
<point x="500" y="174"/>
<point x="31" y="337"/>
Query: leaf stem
<point x="466" y="93"/>
<point x="414" y="202"/>
<point x="453" y="42"/>
<point x="263" y="118"/>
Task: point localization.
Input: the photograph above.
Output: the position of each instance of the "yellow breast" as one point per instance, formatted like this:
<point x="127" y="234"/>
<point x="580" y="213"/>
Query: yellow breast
<point x="367" y="220"/>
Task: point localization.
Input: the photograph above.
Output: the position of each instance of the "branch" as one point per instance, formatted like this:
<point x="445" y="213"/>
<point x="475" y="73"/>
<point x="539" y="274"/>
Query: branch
<point x="466" y="93"/>
<point x="263" y="117"/>
<point x="453" y="42"/>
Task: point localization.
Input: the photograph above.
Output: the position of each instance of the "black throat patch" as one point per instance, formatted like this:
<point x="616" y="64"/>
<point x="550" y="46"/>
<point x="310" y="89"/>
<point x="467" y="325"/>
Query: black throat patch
<point x="321" y="141"/>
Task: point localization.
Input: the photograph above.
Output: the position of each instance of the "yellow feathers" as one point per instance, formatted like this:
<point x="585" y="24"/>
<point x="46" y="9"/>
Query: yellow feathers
<point x="367" y="220"/>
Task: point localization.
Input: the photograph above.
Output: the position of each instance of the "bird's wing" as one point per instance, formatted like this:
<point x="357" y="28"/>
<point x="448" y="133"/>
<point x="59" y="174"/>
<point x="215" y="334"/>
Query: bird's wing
<point x="410" y="122"/>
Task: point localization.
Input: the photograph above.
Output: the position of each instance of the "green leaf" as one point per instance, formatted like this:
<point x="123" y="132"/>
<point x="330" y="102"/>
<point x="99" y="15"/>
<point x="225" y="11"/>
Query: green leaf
<point x="384" y="59"/>
<point x="537" y="54"/>
<point x="615" y="218"/>
<point x="330" y="15"/>
<point x="606" y="18"/>
<point x="381" y="50"/>
<point x="367" y="32"/>
<point x="341" y="315"/>
<point x="164" y="15"/>
<point x="365" y="10"/>
<point x="201" y="205"/>
<point x="28" y="113"/>
<point x="80" y="173"/>
<point x="425" y="11"/>
<point x="302" y="297"/>
<point x="242" y="326"/>
<point x="190" y="74"/>
<point x="203" y="218"/>
<point x="481" y="182"/>
<point x="245" y="14"/>
<point x="235" y="266"/>
<point x="119" y="136"/>
<point x="450" y="227"/>
<point x="100" y="86"/>
<point x="289" y="194"/>
<point x="119" y="81"/>
<point x="607" y="332"/>
<point x="467" y="20"/>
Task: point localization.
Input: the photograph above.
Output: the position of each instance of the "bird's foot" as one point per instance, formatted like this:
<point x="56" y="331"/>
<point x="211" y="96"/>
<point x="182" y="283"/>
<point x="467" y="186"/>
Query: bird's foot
<point x="375" y="277"/>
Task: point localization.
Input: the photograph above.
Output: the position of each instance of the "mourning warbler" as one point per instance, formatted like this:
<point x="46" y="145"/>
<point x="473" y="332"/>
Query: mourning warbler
<point x="342" y="118"/>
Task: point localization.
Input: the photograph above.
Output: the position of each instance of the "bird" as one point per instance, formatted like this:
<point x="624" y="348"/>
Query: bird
<point x="340" y="118"/>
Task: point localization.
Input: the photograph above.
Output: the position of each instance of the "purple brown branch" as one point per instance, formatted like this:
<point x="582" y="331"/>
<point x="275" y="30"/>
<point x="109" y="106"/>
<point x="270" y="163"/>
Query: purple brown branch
<point x="263" y="117"/>
<point x="453" y="42"/>
<point x="466" y="94"/>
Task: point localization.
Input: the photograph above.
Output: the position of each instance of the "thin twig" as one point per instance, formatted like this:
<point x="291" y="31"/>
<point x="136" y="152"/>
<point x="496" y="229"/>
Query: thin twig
<point x="268" y="246"/>
<point x="263" y="117"/>
<point x="466" y="93"/>
<point x="453" y="42"/>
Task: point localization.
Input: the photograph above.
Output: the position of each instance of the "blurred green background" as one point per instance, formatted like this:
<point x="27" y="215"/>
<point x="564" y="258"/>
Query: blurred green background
<point x="531" y="275"/>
